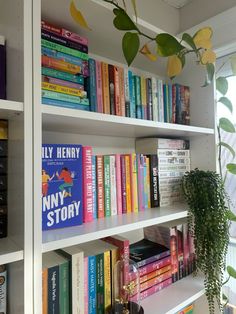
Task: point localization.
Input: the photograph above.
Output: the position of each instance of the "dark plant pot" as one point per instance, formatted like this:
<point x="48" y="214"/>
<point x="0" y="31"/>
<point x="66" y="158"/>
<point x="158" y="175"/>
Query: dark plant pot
<point x="132" y="306"/>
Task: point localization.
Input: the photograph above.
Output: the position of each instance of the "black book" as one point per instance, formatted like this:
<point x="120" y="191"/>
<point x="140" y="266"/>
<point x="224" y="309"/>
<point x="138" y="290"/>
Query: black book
<point x="153" y="160"/>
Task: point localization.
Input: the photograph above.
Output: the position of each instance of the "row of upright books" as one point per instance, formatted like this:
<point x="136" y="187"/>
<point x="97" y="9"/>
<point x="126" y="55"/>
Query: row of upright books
<point x="81" y="278"/>
<point x="71" y="79"/>
<point x="78" y="186"/>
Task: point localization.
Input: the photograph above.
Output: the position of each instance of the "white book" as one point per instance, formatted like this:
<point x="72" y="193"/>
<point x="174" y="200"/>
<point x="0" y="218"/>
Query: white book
<point x="151" y="145"/>
<point x="173" y="167"/>
<point x="174" y="160"/>
<point x="160" y="100"/>
<point x="113" y="185"/>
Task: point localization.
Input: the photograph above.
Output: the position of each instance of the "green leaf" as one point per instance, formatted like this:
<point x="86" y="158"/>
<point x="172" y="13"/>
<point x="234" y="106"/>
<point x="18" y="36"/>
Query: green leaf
<point x="230" y="148"/>
<point x="167" y="45"/>
<point x="226" y="125"/>
<point x="231" y="168"/>
<point x="231" y="271"/>
<point x="210" y="69"/>
<point x="130" y="46"/>
<point x="231" y="216"/>
<point x="222" y="85"/>
<point x="135" y="8"/>
<point x="224" y="297"/>
<point x="122" y="21"/>
<point x="225" y="101"/>
<point x="189" y="40"/>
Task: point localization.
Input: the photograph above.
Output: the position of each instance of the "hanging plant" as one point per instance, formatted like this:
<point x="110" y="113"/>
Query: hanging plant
<point x="209" y="225"/>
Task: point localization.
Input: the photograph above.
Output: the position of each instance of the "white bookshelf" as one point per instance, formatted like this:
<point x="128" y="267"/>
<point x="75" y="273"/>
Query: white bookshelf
<point x="10" y="252"/>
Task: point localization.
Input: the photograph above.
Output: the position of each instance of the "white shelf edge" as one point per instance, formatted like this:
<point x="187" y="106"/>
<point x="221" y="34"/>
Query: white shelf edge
<point x="99" y="228"/>
<point x="11" y="105"/>
<point x="10" y="252"/>
<point x="105" y="118"/>
<point x="161" y="297"/>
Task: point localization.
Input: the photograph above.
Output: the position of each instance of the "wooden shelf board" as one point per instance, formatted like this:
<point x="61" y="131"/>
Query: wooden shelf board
<point x="175" y="297"/>
<point x="10" y="109"/>
<point x="99" y="228"/>
<point x="9" y="251"/>
<point x="59" y="119"/>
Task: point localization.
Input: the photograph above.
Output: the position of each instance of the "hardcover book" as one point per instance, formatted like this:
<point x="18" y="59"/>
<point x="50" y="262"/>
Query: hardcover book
<point x="62" y="188"/>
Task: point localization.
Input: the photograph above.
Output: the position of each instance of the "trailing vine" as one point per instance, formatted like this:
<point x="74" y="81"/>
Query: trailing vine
<point x="209" y="225"/>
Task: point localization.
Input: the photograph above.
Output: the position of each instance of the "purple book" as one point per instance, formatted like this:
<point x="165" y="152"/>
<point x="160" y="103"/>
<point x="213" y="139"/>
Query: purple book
<point x="2" y="68"/>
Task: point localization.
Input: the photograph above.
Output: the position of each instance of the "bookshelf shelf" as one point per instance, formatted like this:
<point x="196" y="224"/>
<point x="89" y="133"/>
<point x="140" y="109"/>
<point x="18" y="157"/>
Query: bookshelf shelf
<point x="10" y="109"/>
<point x="108" y="226"/>
<point x="175" y="297"/>
<point x="9" y="251"/>
<point x="58" y="119"/>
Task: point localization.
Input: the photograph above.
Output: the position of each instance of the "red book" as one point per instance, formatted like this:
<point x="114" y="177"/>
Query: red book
<point x="87" y="184"/>
<point x="117" y="91"/>
<point x="155" y="273"/>
<point x="112" y="88"/>
<point x="100" y="186"/>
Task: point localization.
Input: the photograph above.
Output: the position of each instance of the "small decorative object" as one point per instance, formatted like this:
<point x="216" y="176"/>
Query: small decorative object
<point x="126" y="288"/>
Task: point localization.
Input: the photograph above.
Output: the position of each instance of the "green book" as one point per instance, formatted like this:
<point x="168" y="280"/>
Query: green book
<point x="100" y="283"/>
<point x="138" y="100"/>
<point x="107" y="186"/>
<point x="64" y="285"/>
<point x="63" y="75"/>
<point x="60" y="48"/>
<point x="64" y="97"/>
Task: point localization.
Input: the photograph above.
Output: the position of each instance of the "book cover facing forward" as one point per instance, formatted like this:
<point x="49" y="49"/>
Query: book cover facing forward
<point x="61" y="186"/>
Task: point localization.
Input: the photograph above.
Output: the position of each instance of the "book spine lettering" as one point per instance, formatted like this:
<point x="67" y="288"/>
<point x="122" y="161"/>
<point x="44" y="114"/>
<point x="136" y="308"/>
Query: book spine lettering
<point x="92" y="285"/>
<point x="63" y="75"/>
<point x="53" y="290"/>
<point x="123" y="185"/>
<point x="155" y="266"/>
<point x="105" y="88"/>
<point x="87" y="183"/>
<point x="149" y="99"/>
<point x="154" y="281"/>
<point x="117" y="91"/>
<point x="100" y="186"/>
<point x="138" y="97"/>
<point x="94" y="182"/>
<point x="134" y="183"/>
<point x="154" y="98"/>
<point x="56" y="81"/>
<point x="85" y="285"/>
<point x="155" y="273"/>
<point x="153" y="258"/>
<point x="118" y="185"/>
<point x="60" y="65"/>
<point x="112" y="89"/>
<point x="107" y="186"/>
<point x="127" y="94"/>
<point x="64" y="288"/>
<point x="92" y="85"/>
<point x="144" y="98"/>
<point x="61" y="103"/>
<point x="99" y="87"/>
<point x="122" y="91"/>
<point x="100" y="284"/>
<point x="64" y="97"/>
<point x="64" y="90"/>
<point x="113" y="185"/>
<point x="132" y="95"/>
<point x="107" y="280"/>
<point x="128" y="184"/>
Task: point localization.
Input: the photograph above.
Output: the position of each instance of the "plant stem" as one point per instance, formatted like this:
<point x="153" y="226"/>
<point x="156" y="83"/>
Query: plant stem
<point x="219" y="153"/>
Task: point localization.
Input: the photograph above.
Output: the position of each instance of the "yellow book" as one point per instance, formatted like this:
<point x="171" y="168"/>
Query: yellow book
<point x="134" y="183"/>
<point x="64" y="89"/>
<point x="107" y="280"/>
<point x="148" y="182"/>
<point x="3" y="129"/>
<point x="128" y="183"/>
<point x="105" y="88"/>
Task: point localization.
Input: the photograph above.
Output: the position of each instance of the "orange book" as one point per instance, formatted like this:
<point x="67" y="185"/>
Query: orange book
<point x="117" y="91"/>
<point x="105" y="88"/>
<point x="122" y="91"/>
<point x="155" y="273"/>
<point x="45" y="290"/>
<point x="128" y="184"/>
<point x="60" y="65"/>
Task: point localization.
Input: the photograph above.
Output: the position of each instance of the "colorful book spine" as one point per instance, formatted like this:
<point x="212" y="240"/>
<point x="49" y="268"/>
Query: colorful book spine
<point x="123" y="184"/>
<point x="173" y="103"/>
<point x="56" y="81"/>
<point x="178" y="104"/>
<point x="173" y="153"/>
<point x="60" y="103"/>
<point x="127" y="94"/>
<point x="153" y="258"/>
<point x="132" y="95"/>
<point x="87" y="183"/>
<point x="91" y="85"/>
<point x="92" y="285"/>
<point x="160" y="100"/>
<point x="174" y="253"/>
<point x="145" y="193"/>
<point x="60" y="65"/>
<point x="165" y="99"/>
<point x="143" y="97"/>
<point x="138" y="97"/>
<point x="64" y="288"/>
<point x="112" y="89"/>
<point x="175" y="167"/>
<point x="107" y="280"/>
<point x="169" y="103"/>
<point x="128" y="184"/>
<point x="44" y="293"/>
<point x="154" y="180"/>
<point x="107" y="186"/>
<point x="99" y="87"/>
<point x="144" y="270"/>
<point x="118" y="185"/>
<point x="113" y="185"/>
<point x="154" y="98"/>
<point x="186" y="249"/>
<point x="53" y="290"/>
<point x="122" y="90"/>
<point x="63" y="41"/>
<point x="64" y="90"/>
<point x="140" y="182"/>
<point x="86" y="285"/>
<point x="154" y="281"/>
<point x="149" y="99"/>
<point x="148" y="182"/>
<point x="134" y="182"/>
<point x="64" y="33"/>
<point x="94" y="182"/>
<point x="105" y="88"/>
<point x="100" y="186"/>
<point x="67" y="58"/>
<point x="174" y="160"/>
<point x="185" y="109"/>
<point x="117" y="91"/>
<point x="2" y="68"/>
<point x="64" y="97"/>
<point x="63" y="75"/>
<point x="155" y="273"/>
<point x="180" y="251"/>
<point x="63" y="49"/>
<point x="100" y="283"/>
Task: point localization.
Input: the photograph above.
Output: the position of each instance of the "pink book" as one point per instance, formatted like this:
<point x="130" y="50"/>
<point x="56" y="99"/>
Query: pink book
<point x="61" y="82"/>
<point x="149" y="268"/>
<point x="118" y="185"/>
<point x="147" y="293"/>
<point x="86" y="285"/>
<point x="64" y="33"/>
<point x="99" y="86"/>
<point x="154" y="281"/>
<point x="140" y="182"/>
<point x="87" y="184"/>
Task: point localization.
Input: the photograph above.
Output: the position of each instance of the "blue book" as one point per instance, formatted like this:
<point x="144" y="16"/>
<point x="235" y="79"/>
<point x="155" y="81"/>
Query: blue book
<point x="91" y="85"/>
<point x="62" y="186"/>
<point x="170" y="102"/>
<point x="61" y="103"/>
<point x="53" y="290"/>
<point x="138" y="97"/>
<point x="92" y="287"/>
<point x="132" y="95"/>
<point x="94" y="183"/>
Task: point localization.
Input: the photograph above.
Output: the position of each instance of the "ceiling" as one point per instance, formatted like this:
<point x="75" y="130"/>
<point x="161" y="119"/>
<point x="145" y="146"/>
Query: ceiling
<point x="177" y="3"/>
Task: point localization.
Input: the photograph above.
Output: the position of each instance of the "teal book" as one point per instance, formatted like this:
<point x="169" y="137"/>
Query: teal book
<point x="64" y="290"/>
<point x="65" y="97"/>
<point x="63" y="75"/>
<point x="138" y="97"/>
